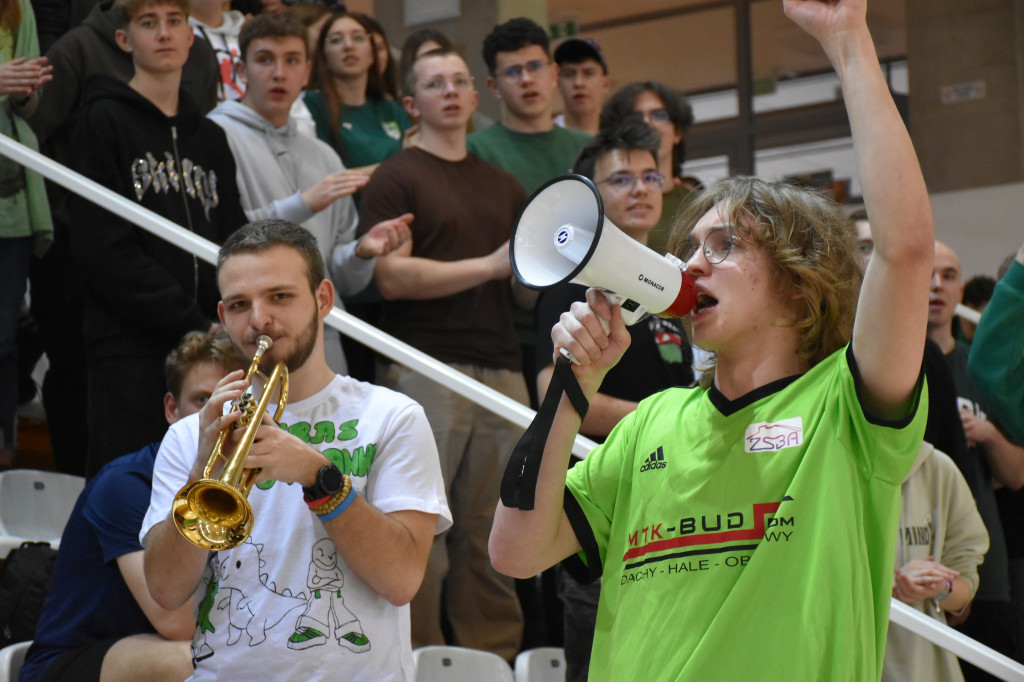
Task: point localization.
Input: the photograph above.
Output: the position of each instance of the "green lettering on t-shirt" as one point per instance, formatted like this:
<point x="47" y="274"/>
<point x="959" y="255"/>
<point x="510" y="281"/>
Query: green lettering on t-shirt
<point x="362" y="459"/>
<point x="347" y="430"/>
<point x="300" y="431"/>
<point x="352" y="463"/>
<point x="324" y="433"/>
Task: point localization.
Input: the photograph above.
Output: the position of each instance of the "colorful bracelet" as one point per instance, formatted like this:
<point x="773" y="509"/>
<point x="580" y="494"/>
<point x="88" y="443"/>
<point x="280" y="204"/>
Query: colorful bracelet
<point x="313" y="504"/>
<point x="345" y="504"/>
<point x="335" y="499"/>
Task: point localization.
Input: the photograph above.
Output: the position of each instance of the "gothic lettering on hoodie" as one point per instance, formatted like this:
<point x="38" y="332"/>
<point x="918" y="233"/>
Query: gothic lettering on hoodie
<point x="164" y="177"/>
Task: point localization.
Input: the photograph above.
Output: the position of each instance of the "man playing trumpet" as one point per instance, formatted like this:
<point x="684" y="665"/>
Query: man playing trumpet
<point x="346" y="504"/>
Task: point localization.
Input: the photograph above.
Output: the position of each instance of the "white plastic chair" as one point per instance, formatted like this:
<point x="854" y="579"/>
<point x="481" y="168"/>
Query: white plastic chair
<point x="457" y="664"/>
<point x="543" y="664"/>
<point x="11" y="658"/>
<point x="35" y="505"/>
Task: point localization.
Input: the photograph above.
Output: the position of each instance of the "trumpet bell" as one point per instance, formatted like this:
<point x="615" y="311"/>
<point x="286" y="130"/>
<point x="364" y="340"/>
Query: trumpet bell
<point x="212" y="515"/>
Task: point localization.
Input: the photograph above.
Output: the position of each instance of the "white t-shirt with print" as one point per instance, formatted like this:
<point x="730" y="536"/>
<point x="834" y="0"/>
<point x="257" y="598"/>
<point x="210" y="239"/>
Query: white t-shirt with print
<point x="284" y="604"/>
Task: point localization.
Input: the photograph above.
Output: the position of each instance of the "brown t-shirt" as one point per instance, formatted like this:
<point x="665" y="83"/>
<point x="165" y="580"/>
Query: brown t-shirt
<point x="463" y="209"/>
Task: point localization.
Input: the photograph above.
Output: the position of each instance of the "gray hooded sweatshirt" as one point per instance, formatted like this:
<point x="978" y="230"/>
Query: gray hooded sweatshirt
<point x="275" y="165"/>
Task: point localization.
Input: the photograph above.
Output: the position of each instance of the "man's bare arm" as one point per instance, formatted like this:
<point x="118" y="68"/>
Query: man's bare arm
<point x="523" y="543"/>
<point x="179" y="624"/>
<point x="402" y="276"/>
<point x="891" y="321"/>
<point x="388" y="551"/>
<point x="605" y="411"/>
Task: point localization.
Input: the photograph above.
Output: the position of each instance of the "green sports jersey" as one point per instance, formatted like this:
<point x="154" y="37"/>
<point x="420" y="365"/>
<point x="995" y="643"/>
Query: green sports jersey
<point x="750" y="539"/>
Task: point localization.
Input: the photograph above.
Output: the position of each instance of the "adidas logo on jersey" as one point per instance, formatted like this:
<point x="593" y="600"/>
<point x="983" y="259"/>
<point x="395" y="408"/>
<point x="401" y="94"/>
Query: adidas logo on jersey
<point x="656" y="460"/>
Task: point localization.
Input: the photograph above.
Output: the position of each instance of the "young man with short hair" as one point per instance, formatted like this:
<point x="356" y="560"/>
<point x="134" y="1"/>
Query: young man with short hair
<point x="348" y="497"/>
<point x="528" y="144"/>
<point x="583" y="82"/>
<point x="287" y="175"/>
<point x="148" y="141"/>
<point x="447" y="293"/>
<point x="57" y="286"/>
<point x="766" y="500"/>
<point x="99" y="620"/>
<point x="623" y="165"/>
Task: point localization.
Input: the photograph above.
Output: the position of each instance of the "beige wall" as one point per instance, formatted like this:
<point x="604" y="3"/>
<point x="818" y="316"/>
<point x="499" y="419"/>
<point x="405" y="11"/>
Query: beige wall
<point x="983" y="225"/>
<point x="977" y="142"/>
<point x="363" y="6"/>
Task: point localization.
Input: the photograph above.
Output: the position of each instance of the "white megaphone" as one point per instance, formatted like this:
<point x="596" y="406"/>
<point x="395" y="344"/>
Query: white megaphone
<point x="563" y="236"/>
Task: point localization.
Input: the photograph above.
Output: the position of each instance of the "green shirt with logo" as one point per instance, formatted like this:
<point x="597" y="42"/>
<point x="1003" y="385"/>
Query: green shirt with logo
<point x="746" y="539"/>
<point x="366" y="134"/>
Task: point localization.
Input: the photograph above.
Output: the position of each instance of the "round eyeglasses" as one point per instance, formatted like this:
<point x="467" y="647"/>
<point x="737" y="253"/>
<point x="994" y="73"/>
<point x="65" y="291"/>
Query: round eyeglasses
<point x="625" y="182"/>
<point x="514" y="73"/>
<point x="439" y="84"/>
<point x="716" y="247"/>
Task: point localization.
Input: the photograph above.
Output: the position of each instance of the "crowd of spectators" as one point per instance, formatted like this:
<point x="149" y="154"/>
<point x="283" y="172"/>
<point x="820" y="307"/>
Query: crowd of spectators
<point x="216" y="115"/>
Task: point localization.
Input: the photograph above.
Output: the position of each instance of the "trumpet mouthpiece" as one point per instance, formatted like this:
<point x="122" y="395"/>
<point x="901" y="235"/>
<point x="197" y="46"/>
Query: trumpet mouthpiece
<point x="264" y="343"/>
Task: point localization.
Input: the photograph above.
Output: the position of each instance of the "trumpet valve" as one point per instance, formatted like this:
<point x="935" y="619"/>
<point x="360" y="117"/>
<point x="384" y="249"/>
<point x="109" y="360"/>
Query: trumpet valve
<point x="247" y="405"/>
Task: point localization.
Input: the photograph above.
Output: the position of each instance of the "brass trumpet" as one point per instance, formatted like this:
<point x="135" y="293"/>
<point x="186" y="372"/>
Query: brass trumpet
<point x="214" y="513"/>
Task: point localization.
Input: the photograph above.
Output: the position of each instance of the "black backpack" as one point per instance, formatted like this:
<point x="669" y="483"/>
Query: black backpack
<point x="24" y="583"/>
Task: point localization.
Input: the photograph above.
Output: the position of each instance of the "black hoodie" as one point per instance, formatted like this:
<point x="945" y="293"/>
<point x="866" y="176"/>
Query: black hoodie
<point x="91" y="50"/>
<point x="144" y="293"/>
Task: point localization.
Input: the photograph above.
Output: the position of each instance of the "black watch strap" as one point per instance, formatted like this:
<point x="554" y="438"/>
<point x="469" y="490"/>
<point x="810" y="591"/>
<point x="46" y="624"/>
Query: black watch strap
<point x="329" y="481"/>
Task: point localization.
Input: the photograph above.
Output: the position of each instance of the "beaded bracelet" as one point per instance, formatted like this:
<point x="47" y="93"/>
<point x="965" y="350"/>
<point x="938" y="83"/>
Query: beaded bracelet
<point x="349" y="499"/>
<point x="335" y="499"/>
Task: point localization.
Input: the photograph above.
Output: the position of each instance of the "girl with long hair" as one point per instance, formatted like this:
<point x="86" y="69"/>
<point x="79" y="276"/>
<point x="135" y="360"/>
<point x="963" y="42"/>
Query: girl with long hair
<point x="351" y="110"/>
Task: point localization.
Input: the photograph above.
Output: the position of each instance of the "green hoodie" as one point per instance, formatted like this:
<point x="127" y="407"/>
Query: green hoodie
<point x="997" y="354"/>
<point x="27" y="212"/>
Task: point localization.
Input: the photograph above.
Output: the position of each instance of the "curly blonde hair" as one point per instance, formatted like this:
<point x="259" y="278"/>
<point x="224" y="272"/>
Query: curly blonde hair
<point x="197" y="347"/>
<point x="811" y="247"/>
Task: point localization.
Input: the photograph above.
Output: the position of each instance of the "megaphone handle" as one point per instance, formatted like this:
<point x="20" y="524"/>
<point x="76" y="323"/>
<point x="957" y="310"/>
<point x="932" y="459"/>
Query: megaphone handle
<point x="613" y="299"/>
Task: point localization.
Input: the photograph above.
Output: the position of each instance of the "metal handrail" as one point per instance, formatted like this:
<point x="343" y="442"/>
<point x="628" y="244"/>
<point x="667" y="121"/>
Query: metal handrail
<point x="344" y="322"/>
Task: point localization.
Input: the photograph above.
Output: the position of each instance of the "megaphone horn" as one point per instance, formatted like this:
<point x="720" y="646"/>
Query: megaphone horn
<point x="562" y="235"/>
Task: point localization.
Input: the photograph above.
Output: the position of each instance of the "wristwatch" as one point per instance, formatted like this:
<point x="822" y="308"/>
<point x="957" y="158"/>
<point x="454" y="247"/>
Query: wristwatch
<point x="328" y="482"/>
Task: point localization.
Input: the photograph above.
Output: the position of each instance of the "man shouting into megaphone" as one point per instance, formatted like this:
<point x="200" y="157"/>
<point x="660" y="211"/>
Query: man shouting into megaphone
<point x="754" y="515"/>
